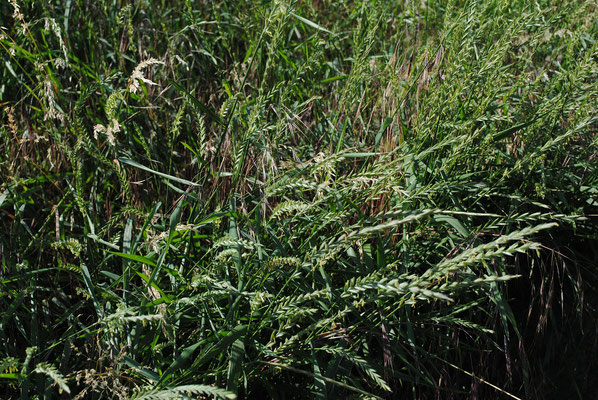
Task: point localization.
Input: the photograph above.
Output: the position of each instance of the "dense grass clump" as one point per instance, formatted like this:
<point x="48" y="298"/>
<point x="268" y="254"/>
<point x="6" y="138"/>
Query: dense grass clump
<point x="298" y="199"/>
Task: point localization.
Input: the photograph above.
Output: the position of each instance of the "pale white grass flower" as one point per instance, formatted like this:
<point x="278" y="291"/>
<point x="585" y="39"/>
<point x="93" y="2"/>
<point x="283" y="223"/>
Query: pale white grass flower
<point x="19" y="17"/>
<point x="12" y="121"/>
<point x="99" y="128"/>
<point x="24" y="27"/>
<point x="109" y="131"/>
<point x="137" y="75"/>
<point x="52" y="111"/>
<point x="59" y="63"/>
<point x="51" y="26"/>
<point x="16" y="13"/>
<point x="182" y="62"/>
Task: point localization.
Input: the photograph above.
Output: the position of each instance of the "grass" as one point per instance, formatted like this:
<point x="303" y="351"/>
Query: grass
<point x="298" y="199"/>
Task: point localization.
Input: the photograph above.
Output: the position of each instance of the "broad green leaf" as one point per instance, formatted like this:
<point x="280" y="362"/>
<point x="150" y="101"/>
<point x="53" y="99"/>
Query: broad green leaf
<point x="310" y="23"/>
<point x="163" y="175"/>
<point x="235" y="365"/>
<point x="179" y="362"/>
<point x="454" y="222"/>
<point x="90" y="290"/>
<point x="134" y="257"/>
